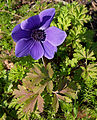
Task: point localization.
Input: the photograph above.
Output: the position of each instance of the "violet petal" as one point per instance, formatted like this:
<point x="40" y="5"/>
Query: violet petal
<point x="23" y="47"/>
<point x="55" y="36"/>
<point x="49" y="50"/>
<point x="46" y="17"/>
<point x="37" y="51"/>
<point x="18" y="33"/>
<point x="31" y="23"/>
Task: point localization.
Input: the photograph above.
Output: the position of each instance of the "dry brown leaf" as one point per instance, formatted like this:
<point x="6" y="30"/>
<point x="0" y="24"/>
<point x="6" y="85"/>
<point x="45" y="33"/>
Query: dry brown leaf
<point x="8" y="65"/>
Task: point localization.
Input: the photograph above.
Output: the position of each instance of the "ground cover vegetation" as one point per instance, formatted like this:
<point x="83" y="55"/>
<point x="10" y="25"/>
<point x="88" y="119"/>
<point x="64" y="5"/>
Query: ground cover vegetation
<point x="63" y="88"/>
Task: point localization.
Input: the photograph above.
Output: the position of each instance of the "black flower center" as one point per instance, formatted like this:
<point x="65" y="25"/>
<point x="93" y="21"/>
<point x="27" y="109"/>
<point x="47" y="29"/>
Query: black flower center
<point x="38" y="35"/>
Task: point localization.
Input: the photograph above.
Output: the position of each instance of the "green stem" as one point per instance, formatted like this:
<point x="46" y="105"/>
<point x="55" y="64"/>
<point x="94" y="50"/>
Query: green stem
<point x="44" y="60"/>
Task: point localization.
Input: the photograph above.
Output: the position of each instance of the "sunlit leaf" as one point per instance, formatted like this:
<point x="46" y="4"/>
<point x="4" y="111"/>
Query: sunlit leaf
<point x="30" y="103"/>
<point x="29" y="94"/>
<point x="69" y="92"/>
<point x="50" y="86"/>
<point x="50" y="71"/>
<point x="67" y="99"/>
<point x="55" y="103"/>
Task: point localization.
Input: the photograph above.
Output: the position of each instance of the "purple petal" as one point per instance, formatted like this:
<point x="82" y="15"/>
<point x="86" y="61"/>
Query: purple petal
<point x="37" y="51"/>
<point x="55" y="36"/>
<point x="23" y="47"/>
<point x="46" y="17"/>
<point x="18" y="33"/>
<point x="49" y="50"/>
<point x="31" y="23"/>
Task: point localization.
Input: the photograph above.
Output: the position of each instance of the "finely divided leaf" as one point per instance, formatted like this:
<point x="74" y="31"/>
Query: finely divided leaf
<point x="22" y="91"/>
<point x="29" y="94"/>
<point x="69" y="92"/>
<point x="29" y="105"/>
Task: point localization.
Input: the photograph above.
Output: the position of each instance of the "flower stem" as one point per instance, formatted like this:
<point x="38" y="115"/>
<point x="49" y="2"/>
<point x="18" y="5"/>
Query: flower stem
<point x="44" y="60"/>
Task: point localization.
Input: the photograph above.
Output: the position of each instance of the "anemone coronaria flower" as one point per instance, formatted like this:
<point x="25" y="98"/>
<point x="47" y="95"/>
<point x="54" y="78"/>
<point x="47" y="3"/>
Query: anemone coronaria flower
<point x="35" y="37"/>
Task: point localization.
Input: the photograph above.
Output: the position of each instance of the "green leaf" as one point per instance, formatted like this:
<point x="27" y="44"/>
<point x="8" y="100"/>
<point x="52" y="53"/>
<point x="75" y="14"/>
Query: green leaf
<point x="67" y="99"/>
<point x="69" y="92"/>
<point x="30" y="104"/>
<point x="90" y="72"/>
<point x="29" y="94"/>
<point x="39" y="89"/>
<point x="55" y="103"/>
<point x="50" y="86"/>
<point x="29" y="99"/>
<point x="90" y="56"/>
<point x="50" y="70"/>
<point x="81" y="53"/>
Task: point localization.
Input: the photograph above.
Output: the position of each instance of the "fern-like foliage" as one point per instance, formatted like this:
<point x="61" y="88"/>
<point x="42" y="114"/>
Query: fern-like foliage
<point x="17" y="73"/>
<point x="66" y="94"/>
<point x="71" y="14"/>
<point x="30" y="99"/>
<point x="90" y="74"/>
<point x="81" y="53"/>
<point x="29" y="94"/>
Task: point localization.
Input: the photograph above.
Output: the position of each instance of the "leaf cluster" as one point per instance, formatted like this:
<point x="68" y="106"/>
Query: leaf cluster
<point x="78" y="62"/>
<point x="29" y="94"/>
<point x="71" y="15"/>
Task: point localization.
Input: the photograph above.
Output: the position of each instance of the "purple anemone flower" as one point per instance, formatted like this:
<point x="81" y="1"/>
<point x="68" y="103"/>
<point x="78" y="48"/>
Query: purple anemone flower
<point x="35" y="37"/>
